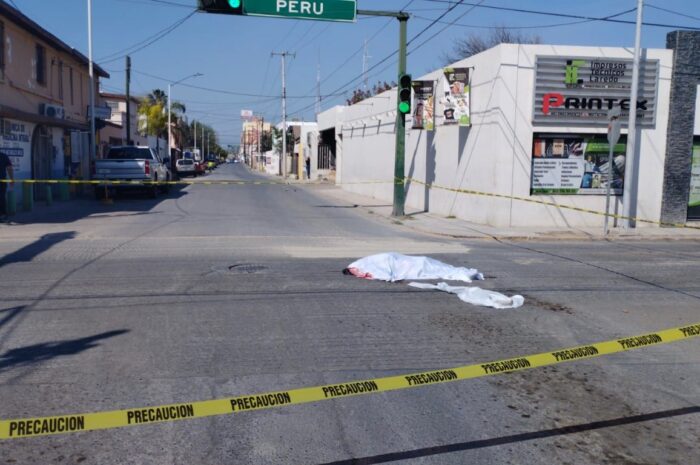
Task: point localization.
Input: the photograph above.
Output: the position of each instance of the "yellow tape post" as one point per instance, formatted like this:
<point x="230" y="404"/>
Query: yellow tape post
<point x="63" y="424"/>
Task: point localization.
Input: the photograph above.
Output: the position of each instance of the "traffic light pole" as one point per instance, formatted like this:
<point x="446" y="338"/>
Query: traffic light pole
<point x="400" y="155"/>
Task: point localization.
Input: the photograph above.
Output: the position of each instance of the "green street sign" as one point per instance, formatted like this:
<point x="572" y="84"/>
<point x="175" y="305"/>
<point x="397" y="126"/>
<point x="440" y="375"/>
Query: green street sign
<point x="323" y="10"/>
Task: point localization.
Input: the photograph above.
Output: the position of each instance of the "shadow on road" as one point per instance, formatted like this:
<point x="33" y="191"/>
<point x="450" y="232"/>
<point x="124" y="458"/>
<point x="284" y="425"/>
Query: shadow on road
<point x="482" y="443"/>
<point x="125" y="203"/>
<point x="49" y="350"/>
<point x="28" y="252"/>
<point x="7" y="314"/>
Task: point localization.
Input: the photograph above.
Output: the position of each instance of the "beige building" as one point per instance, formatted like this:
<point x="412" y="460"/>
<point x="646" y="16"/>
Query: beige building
<point x="114" y="132"/>
<point x="44" y="100"/>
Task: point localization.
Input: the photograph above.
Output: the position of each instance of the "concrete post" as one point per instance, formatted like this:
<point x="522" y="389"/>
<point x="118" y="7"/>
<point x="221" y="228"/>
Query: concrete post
<point x="679" y="137"/>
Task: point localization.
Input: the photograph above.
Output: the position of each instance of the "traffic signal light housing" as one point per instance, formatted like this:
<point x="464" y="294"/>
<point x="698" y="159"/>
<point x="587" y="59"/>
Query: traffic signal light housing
<point x="405" y="94"/>
<point x="225" y="7"/>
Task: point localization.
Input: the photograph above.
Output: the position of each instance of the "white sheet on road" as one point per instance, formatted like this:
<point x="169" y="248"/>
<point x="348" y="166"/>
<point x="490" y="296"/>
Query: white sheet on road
<point x="397" y="267"/>
<point x="476" y="295"/>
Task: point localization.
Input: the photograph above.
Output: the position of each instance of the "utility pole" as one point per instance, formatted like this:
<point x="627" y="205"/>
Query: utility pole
<point x="318" y="83"/>
<point x="399" y="158"/>
<point x="365" y="62"/>
<point x="170" y="127"/>
<point x="631" y="157"/>
<point x="128" y="100"/>
<point x="195" y="136"/>
<point x="261" y="120"/>
<point x="283" y="158"/>
<point x="91" y="71"/>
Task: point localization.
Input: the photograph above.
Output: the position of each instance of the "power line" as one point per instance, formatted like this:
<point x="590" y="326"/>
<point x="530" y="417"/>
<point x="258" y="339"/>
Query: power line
<point x="563" y="15"/>
<point x="391" y="55"/>
<point x="540" y="26"/>
<point x="222" y="91"/>
<point x="673" y="12"/>
<point x="146" y="42"/>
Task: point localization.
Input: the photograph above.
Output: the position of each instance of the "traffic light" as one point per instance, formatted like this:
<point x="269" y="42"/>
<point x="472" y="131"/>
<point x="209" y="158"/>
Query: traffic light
<point x="226" y="7"/>
<point x="405" y="94"/>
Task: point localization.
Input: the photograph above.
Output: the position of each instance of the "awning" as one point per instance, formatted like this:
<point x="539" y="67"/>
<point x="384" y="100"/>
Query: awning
<point x="9" y="112"/>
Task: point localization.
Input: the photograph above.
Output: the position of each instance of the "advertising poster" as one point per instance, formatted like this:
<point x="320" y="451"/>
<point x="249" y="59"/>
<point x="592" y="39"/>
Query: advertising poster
<point x="456" y="97"/>
<point x="694" y="199"/>
<point x="576" y="164"/>
<point x="424" y="105"/>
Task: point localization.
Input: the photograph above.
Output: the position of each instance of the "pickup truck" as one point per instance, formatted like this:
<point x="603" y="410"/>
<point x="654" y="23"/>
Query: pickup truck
<point x="130" y="163"/>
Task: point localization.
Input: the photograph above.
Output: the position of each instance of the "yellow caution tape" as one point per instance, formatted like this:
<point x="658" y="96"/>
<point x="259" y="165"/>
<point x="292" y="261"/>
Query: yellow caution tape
<point x="396" y="181"/>
<point x="550" y="204"/>
<point x="63" y="424"/>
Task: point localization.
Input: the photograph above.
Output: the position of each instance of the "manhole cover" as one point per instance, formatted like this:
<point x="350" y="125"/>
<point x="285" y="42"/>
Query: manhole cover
<point x="247" y="268"/>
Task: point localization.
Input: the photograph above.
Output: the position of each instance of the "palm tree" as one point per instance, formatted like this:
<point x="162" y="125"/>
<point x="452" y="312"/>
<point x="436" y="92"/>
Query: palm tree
<point x="155" y="109"/>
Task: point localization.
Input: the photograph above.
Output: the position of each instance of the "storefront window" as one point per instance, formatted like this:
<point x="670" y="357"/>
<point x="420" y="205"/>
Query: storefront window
<point x="694" y="199"/>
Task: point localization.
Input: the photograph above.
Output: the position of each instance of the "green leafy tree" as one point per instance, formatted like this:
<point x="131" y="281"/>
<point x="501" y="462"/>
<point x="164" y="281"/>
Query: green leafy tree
<point x="154" y="108"/>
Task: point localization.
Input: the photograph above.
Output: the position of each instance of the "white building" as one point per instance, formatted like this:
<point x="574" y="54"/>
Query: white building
<point x="526" y="141"/>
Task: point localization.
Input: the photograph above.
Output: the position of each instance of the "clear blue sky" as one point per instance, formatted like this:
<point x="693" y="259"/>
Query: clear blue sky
<point x="233" y="52"/>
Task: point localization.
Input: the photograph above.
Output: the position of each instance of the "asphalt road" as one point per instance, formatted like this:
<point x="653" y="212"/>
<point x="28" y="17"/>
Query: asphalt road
<point x="134" y="304"/>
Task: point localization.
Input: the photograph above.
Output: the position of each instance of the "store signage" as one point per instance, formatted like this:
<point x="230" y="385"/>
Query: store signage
<point x="575" y="164"/>
<point x="424" y="105"/>
<point x="325" y="10"/>
<point x="581" y="91"/>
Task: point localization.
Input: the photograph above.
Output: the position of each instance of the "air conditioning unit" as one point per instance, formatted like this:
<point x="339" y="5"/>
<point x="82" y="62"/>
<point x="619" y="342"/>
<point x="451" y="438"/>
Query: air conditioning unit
<point x="52" y="111"/>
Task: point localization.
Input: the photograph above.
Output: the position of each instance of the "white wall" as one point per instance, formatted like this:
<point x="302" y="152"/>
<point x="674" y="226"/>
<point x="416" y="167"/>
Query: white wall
<point x="494" y="154"/>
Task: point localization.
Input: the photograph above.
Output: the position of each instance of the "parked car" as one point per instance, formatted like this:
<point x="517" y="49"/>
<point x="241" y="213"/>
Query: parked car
<point x="199" y="168"/>
<point x="185" y="167"/>
<point x="131" y="163"/>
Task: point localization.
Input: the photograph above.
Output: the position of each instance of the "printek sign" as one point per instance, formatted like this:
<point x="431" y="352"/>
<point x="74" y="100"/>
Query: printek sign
<point x="324" y="10"/>
<point x="580" y="91"/>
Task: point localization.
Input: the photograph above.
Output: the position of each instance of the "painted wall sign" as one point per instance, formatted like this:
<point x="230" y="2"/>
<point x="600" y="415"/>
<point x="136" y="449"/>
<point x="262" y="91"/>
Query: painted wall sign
<point x="572" y="91"/>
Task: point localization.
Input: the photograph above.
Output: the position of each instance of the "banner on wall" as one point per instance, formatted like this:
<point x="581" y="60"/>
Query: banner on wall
<point x="456" y="99"/>
<point x="694" y="198"/>
<point x="424" y="105"/>
<point x="576" y="164"/>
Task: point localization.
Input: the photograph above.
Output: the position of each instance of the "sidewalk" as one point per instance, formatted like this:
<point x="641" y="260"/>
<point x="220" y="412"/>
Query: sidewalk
<point x="431" y="223"/>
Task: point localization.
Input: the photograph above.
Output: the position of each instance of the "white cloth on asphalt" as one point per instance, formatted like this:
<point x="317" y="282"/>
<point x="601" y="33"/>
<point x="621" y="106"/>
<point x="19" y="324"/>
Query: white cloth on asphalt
<point x="476" y="295"/>
<point x="397" y="267"/>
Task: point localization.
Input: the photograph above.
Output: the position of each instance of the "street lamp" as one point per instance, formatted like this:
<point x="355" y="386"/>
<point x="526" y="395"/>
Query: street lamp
<point x="170" y="128"/>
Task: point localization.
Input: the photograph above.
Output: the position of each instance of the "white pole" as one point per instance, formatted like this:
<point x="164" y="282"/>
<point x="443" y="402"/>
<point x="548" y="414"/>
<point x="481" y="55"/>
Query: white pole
<point x="92" y="84"/>
<point x="630" y="159"/>
<point x="195" y="136"/>
<point x="170" y="127"/>
<point x="284" y="117"/>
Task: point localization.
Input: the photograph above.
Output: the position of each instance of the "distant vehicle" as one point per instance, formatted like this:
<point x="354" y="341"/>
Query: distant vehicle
<point x="185" y="167"/>
<point x="129" y="163"/>
<point x="199" y="168"/>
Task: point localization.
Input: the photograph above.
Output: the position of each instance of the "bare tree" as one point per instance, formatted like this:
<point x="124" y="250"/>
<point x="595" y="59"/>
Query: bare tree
<point x="477" y="43"/>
